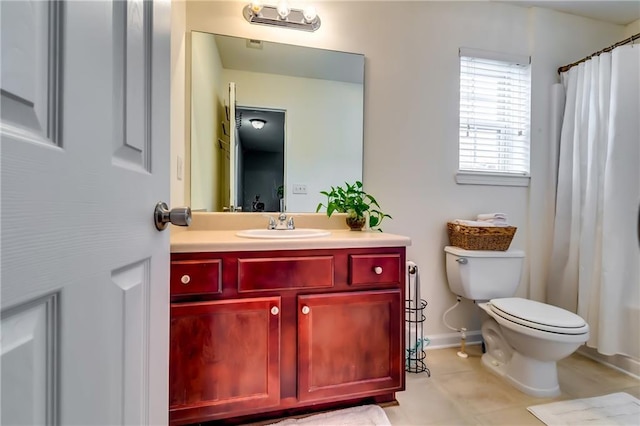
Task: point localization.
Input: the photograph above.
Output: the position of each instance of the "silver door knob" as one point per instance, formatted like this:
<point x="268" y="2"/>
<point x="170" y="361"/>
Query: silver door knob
<point x="378" y="270"/>
<point x="275" y="310"/>
<point x="305" y="310"/>
<point x="180" y="216"/>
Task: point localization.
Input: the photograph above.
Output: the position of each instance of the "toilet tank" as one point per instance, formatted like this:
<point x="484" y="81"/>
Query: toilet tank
<point x="483" y="275"/>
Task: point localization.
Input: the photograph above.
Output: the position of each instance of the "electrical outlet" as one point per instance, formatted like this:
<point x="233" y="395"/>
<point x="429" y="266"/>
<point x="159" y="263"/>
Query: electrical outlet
<point x="299" y="188"/>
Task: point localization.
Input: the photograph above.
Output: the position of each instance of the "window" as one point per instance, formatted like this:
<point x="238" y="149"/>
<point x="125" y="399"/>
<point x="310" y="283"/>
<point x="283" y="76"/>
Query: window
<point x="494" y="116"/>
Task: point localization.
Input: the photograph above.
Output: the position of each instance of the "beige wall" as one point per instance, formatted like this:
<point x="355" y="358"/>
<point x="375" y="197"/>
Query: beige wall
<point x="178" y="116"/>
<point x="411" y="116"/>
<point x="207" y="103"/>
<point x="632" y="28"/>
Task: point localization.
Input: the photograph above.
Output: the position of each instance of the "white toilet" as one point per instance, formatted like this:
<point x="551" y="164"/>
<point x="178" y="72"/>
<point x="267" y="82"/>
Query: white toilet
<point x="523" y="339"/>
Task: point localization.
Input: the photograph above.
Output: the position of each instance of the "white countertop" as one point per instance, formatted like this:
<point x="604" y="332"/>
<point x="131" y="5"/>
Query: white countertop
<point x="192" y="241"/>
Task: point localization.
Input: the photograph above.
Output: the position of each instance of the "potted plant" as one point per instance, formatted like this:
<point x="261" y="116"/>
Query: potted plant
<point x="280" y="194"/>
<point x="356" y="203"/>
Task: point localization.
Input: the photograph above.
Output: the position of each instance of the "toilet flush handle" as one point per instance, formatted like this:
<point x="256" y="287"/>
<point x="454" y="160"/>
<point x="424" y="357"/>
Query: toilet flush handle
<point x="462" y="260"/>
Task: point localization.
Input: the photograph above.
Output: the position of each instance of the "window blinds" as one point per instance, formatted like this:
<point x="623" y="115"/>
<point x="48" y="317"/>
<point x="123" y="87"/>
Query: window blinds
<point x="494" y="113"/>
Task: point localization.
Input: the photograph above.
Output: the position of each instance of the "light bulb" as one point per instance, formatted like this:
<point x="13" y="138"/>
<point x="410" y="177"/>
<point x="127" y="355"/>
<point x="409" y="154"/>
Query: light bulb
<point x="283" y="9"/>
<point x="309" y="14"/>
<point x="256" y="6"/>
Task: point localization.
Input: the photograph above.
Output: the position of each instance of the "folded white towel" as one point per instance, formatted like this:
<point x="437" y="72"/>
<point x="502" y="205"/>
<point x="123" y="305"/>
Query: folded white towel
<point x="474" y="223"/>
<point x="497" y="223"/>
<point x="494" y="221"/>
<point x="483" y="223"/>
<point x="492" y="216"/>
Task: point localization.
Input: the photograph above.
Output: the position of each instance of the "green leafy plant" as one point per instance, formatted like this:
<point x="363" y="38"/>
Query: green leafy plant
<point x="355" y="202"/>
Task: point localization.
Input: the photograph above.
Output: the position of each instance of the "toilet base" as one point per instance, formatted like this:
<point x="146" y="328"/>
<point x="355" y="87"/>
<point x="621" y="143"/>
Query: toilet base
<point x="533" y="377"/>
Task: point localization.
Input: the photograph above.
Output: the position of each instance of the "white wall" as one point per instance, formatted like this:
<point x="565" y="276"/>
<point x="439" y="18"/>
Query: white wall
<point x="206" y="106"/>
<point x="316" y="155"/>
<point x="411" y="115"/>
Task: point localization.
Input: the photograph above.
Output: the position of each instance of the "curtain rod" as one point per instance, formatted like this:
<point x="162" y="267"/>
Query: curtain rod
<point x="608" y="49"/>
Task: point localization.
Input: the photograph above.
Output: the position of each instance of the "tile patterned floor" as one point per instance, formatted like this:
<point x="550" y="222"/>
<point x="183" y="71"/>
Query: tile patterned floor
<point x="462" y="392"/>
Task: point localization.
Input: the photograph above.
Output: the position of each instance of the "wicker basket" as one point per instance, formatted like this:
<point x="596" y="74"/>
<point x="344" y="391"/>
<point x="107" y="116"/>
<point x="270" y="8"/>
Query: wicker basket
<point x="497" y="238"/>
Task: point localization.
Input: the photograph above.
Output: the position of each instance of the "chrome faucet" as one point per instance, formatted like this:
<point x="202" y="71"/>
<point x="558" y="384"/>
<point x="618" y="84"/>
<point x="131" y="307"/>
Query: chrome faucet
<point x="272" y="223"/>
<point x="281" y="223"/>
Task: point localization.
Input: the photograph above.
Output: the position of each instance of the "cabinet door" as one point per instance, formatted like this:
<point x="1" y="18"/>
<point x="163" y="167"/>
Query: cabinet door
<point x="349" y="343"/>
<point x="224" y="357"/>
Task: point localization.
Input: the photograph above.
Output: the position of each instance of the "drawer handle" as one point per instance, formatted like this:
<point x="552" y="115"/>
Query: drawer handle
<point x="275" y="310"/>
<point x="185" y="279"/>
<point x="378" y="270"/>
<point x="305" y="310"/>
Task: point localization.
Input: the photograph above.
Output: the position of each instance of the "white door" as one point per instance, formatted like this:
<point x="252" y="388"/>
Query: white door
<point x="234" y="201"/>
<point x="85" y="154"/>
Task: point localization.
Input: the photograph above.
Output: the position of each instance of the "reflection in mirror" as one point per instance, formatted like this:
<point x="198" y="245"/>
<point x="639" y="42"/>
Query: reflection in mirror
<point x="260" y="167"/>
<point x="307" y="110"/>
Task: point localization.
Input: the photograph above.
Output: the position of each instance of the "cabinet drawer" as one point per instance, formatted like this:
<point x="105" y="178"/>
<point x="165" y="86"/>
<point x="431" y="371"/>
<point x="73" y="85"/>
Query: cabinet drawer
<point x="285" y="273"/>
<point x="196" y="276"/>
<point x="368" y="269"/>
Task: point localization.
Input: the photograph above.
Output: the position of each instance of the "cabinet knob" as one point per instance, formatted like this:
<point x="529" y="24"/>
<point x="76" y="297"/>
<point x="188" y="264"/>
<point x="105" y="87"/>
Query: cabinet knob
<point x="305" y="310"/>
<point x="185" y="279"/>
<point x="378" y="270"/>
<point x="275" y="310"/>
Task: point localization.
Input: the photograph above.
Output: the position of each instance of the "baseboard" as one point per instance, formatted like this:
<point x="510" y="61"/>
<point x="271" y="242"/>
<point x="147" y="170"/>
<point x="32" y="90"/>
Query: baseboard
<point x="621" y="363"/>
<point x="449" y="340"/>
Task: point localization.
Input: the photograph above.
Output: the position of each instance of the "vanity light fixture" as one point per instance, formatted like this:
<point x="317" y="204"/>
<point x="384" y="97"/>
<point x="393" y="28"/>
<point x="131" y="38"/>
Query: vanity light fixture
<point x="282" y="15"/>
<point x="257" y="123"/>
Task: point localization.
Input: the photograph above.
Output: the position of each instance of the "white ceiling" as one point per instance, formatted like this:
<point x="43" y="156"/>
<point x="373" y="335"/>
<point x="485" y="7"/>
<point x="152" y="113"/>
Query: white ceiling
<point x="617" y="12"/>
<point x="277" y="58"/>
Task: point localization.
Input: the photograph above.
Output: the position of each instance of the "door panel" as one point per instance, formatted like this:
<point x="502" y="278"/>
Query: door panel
<point x="30" y="65"/>
<point x="131" y="96"/>
<point x="131" y="295"/>
<point x="29" y="350"/>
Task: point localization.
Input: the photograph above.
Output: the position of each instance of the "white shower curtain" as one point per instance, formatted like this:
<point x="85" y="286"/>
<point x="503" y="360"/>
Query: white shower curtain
<point x="595" y="265"/>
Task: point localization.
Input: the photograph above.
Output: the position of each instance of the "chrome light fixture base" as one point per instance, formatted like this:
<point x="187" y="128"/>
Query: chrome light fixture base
<point x="269" y="16"/>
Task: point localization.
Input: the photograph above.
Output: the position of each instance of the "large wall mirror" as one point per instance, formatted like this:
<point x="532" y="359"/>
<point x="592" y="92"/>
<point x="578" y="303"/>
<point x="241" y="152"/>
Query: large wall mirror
<point x="272" y="124"/>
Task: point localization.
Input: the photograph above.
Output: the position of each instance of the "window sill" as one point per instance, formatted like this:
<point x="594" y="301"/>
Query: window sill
<point x="492" y="179"/>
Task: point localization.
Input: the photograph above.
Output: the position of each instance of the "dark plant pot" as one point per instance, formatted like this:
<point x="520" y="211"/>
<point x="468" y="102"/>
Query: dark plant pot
<point x="356" y="223"/>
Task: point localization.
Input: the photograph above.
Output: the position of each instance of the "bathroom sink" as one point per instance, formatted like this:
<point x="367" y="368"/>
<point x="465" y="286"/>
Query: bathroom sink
<point x="278" y="234"/>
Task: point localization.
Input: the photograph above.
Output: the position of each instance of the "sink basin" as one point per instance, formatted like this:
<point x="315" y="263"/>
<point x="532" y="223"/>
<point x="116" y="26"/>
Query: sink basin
<point x="278" y="234"/>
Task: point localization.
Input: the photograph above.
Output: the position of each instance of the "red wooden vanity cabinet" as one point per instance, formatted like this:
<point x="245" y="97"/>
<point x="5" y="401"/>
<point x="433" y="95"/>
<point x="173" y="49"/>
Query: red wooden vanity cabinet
<point x="273" y="332"/>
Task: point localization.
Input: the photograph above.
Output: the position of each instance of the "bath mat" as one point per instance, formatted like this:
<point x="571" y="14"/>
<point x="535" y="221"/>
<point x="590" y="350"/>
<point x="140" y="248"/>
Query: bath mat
<point x="613" y="409"/>
<point x="363" y="415"/>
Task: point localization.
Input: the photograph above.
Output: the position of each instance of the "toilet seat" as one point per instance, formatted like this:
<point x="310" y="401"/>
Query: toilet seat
<point x="539" y="316"/>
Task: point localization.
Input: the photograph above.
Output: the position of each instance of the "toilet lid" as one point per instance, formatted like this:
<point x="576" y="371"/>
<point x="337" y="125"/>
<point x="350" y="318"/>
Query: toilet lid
<point x="539" y="315"/>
